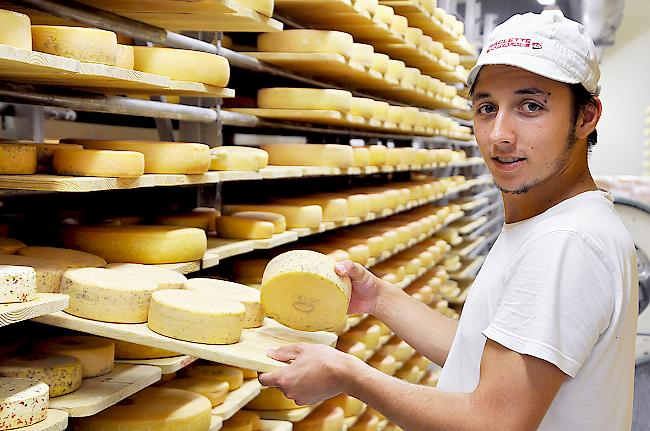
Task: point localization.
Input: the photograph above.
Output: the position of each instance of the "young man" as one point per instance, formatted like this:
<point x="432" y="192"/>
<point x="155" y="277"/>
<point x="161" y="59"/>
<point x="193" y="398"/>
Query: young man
<point x="547" y="335"/>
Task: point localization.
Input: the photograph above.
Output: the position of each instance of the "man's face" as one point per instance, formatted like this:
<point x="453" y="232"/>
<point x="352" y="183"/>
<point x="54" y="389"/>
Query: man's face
<point x="523" y="126"/>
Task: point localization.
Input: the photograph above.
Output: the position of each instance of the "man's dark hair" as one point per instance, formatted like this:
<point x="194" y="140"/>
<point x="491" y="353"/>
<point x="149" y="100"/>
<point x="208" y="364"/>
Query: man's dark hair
<point x="582" y="98"/>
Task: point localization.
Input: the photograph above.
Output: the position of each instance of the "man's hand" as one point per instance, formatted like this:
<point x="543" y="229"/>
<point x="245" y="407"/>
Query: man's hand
<point x="365" y="286"/>
<point x="315" y="372"/>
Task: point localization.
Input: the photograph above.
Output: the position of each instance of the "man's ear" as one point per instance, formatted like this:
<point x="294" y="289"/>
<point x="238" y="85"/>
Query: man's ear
<point x="588" y="118"/>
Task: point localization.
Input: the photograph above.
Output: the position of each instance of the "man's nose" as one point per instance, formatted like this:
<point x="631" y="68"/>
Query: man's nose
<point x="502" y="129"/>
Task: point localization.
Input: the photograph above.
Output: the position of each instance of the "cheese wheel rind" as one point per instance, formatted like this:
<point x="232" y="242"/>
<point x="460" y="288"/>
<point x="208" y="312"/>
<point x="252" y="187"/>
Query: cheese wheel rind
<point x="16" y="30"/>
<point x="18" y="159"/>
<point x="23" y="402"/>
<point x="306" y="41"/>
<point x="17" y="284"/>
<point x="332" y="155"/>
<point x="233" y="158"/>
<point x="89" y="45"/>
<point x="219" y="372"/>
<point x="61" y="373"/>
<point x="304" y="98"/>
<point x="98" y="163"/>
<point x="96" y="354"/>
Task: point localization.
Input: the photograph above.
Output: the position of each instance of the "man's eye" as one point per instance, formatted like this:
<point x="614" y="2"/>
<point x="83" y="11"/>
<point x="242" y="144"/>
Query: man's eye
<point x="486" y="109"/>
<point x="531" y="107"/>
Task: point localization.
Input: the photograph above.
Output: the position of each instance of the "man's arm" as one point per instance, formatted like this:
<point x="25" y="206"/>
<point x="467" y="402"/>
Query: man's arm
<point x="513" y="394"/>
<point x="426" y="330"/>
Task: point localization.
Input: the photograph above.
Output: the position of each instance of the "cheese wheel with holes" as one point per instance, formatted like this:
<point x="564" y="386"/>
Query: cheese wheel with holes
<point x="10" y="245"/>
<point x="301" y="290"/>
<point x="200" y="218"/>
<point x="350" y="405"/>
<point x="362" y="54"/>
<point x="164" y="409"/>
<point x="23" y="402"/>
<point x="125" y="57"/>
<point x="306" y="41"/>
<point x="164" y="278"/>
<point x="272" y="399"/>
<point x="304" y="98"/>
<point x="61" y="373"/>
<point x="362" y="107"/>
<point x="333" y="155"/>
<point x="182" y="65"/>
<point x="96" y="354"/>
<point x="232" y="158"/>
<point x="138" y="244"/>
<point x="194" y="316"/>
<point x="126" y="350"/>
<point x="89" y="45"/>
<point x="310" y="216"/>
<point x="107" y="295"/>
<point x="17" y="284"/>
<point x="233" y="376"/>
<point x="213" y="390"/>
<point x="324" y="418"/>
<point x="17" y="159"/>
<point x="16" y="30"/>
<point x="234" y="292"/>
<point x="233" y="227"/>
<point x="98" y="163"/>
<point x="65" y="257"/>
<point x="48" y="272"/>
<point x="278" y="220"/>
<point x="159" y="157"/>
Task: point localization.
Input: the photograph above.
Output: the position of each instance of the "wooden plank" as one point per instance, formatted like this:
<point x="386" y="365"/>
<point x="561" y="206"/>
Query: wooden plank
<point x="237" y="399"/>
<point x="56" y="420"/>
<point x="99" y="393"/>
<point x="249" y="352"/>
<point x="216" y="423"/>
<point x="183" y="268"/>
<point x="276" y="240"/>
<point x="270" y="425"/>
<point x="293" y="415"/>
<point x="57" y="183"/>
<point x="224" y="248"/>
<point x="274" y="172"/>
<point x="166" y="365"/>
<point x="44" y="303"/>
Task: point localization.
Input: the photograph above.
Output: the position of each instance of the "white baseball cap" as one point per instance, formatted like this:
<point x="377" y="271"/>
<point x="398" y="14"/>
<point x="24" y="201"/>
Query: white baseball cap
<point x="546" y="44"/>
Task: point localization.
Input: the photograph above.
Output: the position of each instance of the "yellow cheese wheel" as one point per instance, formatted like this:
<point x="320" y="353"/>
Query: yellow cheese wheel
<point x="249" y="374"/>
<point x="362" y="107"/>
<point x="411" y="77"/>
<point x="61" y="373"/>
<point x="367" y="422"/>
<point x="384" y="14"/>
<point x="218" y="372"/>
<point x="396" y="70"/>
<point x="278" y="220"/>
<point x="397" y="348"/>
<point x="90" y="45"/>
<point x="362" y="53"/>
<point x="10" y="245"/>
<point x="393" y="155"/>
<point x="159" y="157"/>
<point x="200" y="218"/>
<point x="380" y="62"/>
<point x="301" y="290"/>
<point x="194" y="316"/>
<point x="65" y="257"/>
<point x="369" y="337"/>
<point x="125" y="57"/>
<point x="213" y="390"/>
<point x="387" y="364"/>
<point x="350" y="405"/>
<point x="334" y="155"/>
<point x="377" y="154"/>
<point x="96" y="354"/>
<point x="412" y="35"/>
<point x="304" y="98"/>
<point x="241" y="421"/>
<point x="126" y="350"/>
<point x="352" y="347"/>
<point x="324" y="418"/>
<point x="310" y="216"/>
<point x="183" y="65"/>
<point x="334" y="209"/>
<point x="399" y="24"/>
<point x="138" y="244"/>
<point x="307" y="41"/>
<point x="163" y="409"/>
<point x="232" y="158"/>
<point x="361" y="156"/>
<point x="17" y="159"/>
<point x="98" y="163"/>
<point x="233" y="227"/>
<point x="272" y="399"/>
<point x="15" y="30"/>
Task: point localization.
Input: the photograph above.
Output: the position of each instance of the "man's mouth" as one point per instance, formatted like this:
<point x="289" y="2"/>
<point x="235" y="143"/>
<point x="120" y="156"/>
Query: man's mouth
<point x="508" y="160"/>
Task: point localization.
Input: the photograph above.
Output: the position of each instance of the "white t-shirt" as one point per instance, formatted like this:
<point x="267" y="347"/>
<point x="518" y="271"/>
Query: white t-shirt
<point x="561" y="286"/>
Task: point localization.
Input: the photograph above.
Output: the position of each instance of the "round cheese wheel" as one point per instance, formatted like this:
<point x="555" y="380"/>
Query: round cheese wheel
<point x="17" y="284"/>
<point x="324" y="418"/>
<point x="18" y="159"/>
<point x="362" y="107"/>
<point x="334" y="155"/>
<point x="301" y="290"/>
<point x="48" y="272"/>
<point x="213" y="390"/>
<point x="233" y="376"/>
<point x="278" y="220"/>
<point x="96" y="354"/>
<point x="272" y="399"/>
<point x="304" y="98"/>
<point x="366" y="422"/>
<point x="362" y="53"/>
<point x="350" y="405"/>
<point x="90" y="45"/>
<point x="126" y="350"/>
<point x="98" y="163"/>
<point x="16" y="30"/>
<point x="66" y="257"/>
<point x="23" y="402"/>
<point x="196" y="317"/>
<point x="242" y="421"/>
<point x="232" y="158"/>
<point x="61" y="373"/>
<point x="165" y="278"/>
<point x="380" y="62"/>
<point x="249" y="374"/>
<point x="306" y="41"/>
<point x="124" y="57"/>
<point x="10" y="245"/>
<point x="233" y="227"/>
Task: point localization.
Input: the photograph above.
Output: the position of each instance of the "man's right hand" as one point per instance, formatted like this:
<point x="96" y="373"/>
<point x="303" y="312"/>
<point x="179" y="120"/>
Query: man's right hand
<point x="365" y="286"/>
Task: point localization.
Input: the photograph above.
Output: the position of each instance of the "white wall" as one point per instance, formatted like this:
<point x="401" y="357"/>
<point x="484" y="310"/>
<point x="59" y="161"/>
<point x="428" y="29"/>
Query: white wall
<point x="625" y="94"/>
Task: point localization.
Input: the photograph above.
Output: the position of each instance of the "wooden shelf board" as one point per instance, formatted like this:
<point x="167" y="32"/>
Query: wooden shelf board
<point x="56" y="420"/>
<point x="237" y="399"/>
<point x="276" y="240"/>
<point x="249" y="352"/>
<point x="216" y="423"/>
<point x="99" y="393"/>
<point x="275" y="172"/>
<point x="293" y="415"/>
<point x="166" y="365"/>
<point x="224" y="248"/>
<point x="44" y="303"/>
<point x="270" y="425"/>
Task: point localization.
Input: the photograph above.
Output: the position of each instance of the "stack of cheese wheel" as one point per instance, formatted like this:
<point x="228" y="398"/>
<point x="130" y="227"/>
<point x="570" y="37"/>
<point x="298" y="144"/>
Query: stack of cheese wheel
<point x="95" y="354"/>
<point x="233" y="158"/>
<point x="307" y="41"/>
<point x="23" y="401"/>
<point x="304" y="99"/>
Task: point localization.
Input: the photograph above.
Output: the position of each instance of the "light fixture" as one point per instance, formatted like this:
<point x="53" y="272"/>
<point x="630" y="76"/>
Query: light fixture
<point x="546" y="2"/>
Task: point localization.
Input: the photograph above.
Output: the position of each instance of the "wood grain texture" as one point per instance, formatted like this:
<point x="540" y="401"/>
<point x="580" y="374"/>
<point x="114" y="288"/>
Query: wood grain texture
<point x="44" y="303"/>
<point x="237" y="399"/>
<point x="166" y="365"/>
<point x="293" y="415"/>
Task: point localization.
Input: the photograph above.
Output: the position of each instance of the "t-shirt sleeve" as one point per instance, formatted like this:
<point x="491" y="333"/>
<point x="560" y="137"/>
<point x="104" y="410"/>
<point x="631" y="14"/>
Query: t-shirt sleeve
<point x="558" y="299"/>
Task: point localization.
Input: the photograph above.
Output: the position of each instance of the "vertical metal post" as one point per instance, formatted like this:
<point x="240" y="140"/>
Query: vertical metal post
<point x="28" y="123"/>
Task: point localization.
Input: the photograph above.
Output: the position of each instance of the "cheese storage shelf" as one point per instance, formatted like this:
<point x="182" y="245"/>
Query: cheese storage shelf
<point x="44" y="303"/>
<point x="237" y="399"/>
<point x="249" y="352"/>
<point x="56" y="420"/>
<point x="468" y="246"/>
<point x="271" y="425"/>
<point x="166" y="365"/>
<point x="216" y="423"/>
<point x="469" y="270"/>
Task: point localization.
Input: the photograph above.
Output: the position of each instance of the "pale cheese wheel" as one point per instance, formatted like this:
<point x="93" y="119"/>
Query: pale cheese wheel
<point x="352" y="347"/>
<point x="393" y="156"/>
<point x="358" y="205"/>
<point x="333" y="155"/>
<point x="89" y="45"/>
<point x="23" y="402"/>
<point x="96" y="354"/>
<point x="301" y="290"/>
<point x="370" y="337"/>
<point x="324" y="418"/>
<point x="384" y="14"/>
<point x="200" y="218"/>
<point x="418" y="361"/>
<point x="163" y="409"/>
<point x="397" y="348"/>
<point x="107" y="295"/>
<point x="362" y="107"/>
<point x="272" y="399"/>
<point x="213" y="390"/>
<point x="387" y="365"/>
<point x="138" y="244"/>
<point x="233" y="227"/>
<point x="306" y="41"/>
<point x="183" y="64"/>
<point x="351" y="406"/>
<point x="377" y="153"/>
<point x="10" y="245"/>
<point x="334" y="209"/>
<point x="164" y="278"/>
<point x="396" y="70"/>
<point x="380" y="62"/>
<point x="125" y="58"/>
<point x="232" y="158"/>
<point x="65" y="257"/>
<point x="366" y="422"/>
<point x="98" y="163"/>
<point x="359" y="253"/>
<point x="305" y="216"/>
<point x="233" y="376"/>
<point x="361" y="156"/>
<point x="395" y="115"/>
<point x="411" y="77"/>
<point x="399" y="24"/>
<point x="304" y="98"/>
<point x="410" y="117"/>
<point x="412" y="35"/>
<point x="61" y="373"/>
<point x="17" y="284"/>
<point x="362" y="53"/>
<point x="159" y="157"/>
<point x="126" y="350"/>
<point x="234" y="292"/>
<point x="194" y="316"/>
<point x="15" y="30"/>
<point x="240" y="421"/>
<point x="17" y="159"/>
<point x="373" y="321"/>
<point x="278" y="220"/>
<point x="48" y="272"/>
<point x="369" y="6"/>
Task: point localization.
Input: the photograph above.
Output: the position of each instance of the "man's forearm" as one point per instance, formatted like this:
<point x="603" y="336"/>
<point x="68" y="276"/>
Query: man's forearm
<point x="428" y="331"/>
